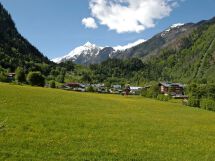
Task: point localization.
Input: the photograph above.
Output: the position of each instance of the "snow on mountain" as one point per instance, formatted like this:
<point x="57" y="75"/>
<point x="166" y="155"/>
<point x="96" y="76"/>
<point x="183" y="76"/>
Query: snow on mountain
<point x="130" y="45"/>
<point x="90" y="52"/>
<point x="177" y="25"/>
<point x="174" y="26"/>
<point x="87" y="49"/>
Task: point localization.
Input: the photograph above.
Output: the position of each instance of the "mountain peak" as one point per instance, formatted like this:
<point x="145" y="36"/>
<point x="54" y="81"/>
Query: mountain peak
<point x="88" y="44"/>
<point x="176" y="25"/>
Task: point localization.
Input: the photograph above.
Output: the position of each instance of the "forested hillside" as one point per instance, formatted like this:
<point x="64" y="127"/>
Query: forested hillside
<point x="17" y="54"/>
<point x="193" y="61"/>
<point x="14" y="49"/>
<point x="190" y="57"/>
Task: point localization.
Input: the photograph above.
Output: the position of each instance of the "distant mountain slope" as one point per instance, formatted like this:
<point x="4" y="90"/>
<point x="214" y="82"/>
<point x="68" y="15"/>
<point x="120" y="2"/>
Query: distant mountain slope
<point x="190" y="57"/>
<point x="93" y="54"/>
<point x="182" y="53"/>
<point x="14" y="49"/>
<point x="142" y="49"/>
<point x="169" y="37"/>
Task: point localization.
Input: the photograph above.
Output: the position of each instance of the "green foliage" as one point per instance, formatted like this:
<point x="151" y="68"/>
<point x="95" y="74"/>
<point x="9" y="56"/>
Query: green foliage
<point x="202" y="96"/>
<point x="36" y="79"/>
<point x="20" y="75"/>
<point x="17" y="52"/>
<point x="60" y="78"/>
<point x="86" y="78"/>
<point x="52" y="84"/>
<point x="207" y="104"/>
<point x="117" y="71"/>
<point x="162" y="97"/>
<point x="90" y="89"/>
<point x="3" y="77"/>
<point x="151" y="92"/>
<point x="68" y="65"/>
<point x="193" y="102"/>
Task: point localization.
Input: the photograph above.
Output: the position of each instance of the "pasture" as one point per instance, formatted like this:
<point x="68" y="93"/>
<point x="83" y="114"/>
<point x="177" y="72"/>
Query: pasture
<point x="50" y="124"/>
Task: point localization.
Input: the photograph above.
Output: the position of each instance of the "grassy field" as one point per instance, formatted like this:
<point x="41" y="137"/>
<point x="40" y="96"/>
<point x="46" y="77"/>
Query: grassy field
<point x="47" y="124"/>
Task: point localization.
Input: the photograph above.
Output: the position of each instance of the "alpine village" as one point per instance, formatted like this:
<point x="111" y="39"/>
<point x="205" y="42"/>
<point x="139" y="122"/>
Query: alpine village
<point x="152" y="101"/>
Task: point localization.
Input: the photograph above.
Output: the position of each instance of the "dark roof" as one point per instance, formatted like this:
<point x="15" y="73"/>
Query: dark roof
<point x="168" y="84"/>
<point x="71" y="84"/>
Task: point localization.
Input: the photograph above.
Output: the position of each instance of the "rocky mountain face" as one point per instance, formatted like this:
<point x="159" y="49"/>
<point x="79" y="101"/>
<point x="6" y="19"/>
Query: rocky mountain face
<point x="87" y="54"/>
<point x="169" y="37"/>
<point x="93" y="54"/>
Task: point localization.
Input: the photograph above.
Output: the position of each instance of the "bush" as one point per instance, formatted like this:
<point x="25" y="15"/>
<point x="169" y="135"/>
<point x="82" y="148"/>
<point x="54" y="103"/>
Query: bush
<point x="3" y="77"/>
<point x="90" y="89"/>
<point x="207" y="104"/>
<point x="151" y="92"/>
<point x="193" y="102"/>
<point x="162" y="97"/>
<point x="52" y="84"/>
<point x="36" y="79"/>
<point x="20" y="75"/>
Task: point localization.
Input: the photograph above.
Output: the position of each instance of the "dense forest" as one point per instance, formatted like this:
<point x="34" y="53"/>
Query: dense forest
<point x="16" y="53"/>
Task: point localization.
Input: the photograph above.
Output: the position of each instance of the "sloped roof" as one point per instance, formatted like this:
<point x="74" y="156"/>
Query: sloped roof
<point x="168" y="84"/>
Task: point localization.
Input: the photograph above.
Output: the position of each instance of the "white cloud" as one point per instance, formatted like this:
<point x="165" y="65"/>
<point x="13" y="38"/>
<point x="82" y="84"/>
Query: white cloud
<point x="130" y="45"/>
<point x="89" y="23"/>
<point x="130" y="15"/>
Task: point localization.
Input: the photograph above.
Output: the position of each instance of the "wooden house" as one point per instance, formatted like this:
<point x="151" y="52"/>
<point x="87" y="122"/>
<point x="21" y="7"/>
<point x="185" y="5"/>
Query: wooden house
<point x="11" y="76"/>
<point x="174" y="89"/>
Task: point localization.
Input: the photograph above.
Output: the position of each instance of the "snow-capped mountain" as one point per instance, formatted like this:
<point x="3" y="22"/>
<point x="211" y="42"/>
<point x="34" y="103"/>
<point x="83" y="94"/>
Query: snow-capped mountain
<point x="177" y="25"/>
<point x="92" y="54"/>
<point x="87" y="50"/>
<point x="174" y="26"/>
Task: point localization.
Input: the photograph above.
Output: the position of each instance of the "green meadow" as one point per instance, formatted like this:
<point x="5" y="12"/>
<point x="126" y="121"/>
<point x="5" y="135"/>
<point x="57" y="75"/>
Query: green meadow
<point x="50" y="124"/>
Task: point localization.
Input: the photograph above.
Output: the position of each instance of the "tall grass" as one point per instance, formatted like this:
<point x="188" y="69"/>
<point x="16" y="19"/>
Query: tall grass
<point x="49" y="124"/>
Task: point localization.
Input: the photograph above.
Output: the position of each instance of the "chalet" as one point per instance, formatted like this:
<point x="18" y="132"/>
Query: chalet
<point x="100" y="88"/>
<point x="11" y="76"/>
<point x="135" y="90"/>
<point x="74" y="86"/>
<point x="176" y="90"/>
<point x="116" y="89"/>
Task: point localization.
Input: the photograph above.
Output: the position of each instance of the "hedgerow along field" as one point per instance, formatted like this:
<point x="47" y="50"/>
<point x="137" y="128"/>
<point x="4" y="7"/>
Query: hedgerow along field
<point x="48" y="124"/>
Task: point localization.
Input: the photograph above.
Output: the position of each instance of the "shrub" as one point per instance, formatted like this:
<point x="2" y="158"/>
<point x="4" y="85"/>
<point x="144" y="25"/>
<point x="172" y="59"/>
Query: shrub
<point x="207" y="104"/>
<point x="3" y="77"/>
<point x="151" y="92"/>
<point x="90" y="89"/>
<point x="36" y="79"/>
<point x="20" y="75"/>
<point x="162" y="97"/>
<point x="193" y="102"/>
<point x="52" y="84"/>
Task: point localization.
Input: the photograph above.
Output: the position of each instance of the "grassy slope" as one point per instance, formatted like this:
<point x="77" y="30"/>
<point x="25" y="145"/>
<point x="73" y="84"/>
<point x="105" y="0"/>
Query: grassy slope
<point x="46" y="124"/>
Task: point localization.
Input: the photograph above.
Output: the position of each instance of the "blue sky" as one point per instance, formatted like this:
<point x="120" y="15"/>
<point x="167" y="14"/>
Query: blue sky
<point x="55" y="26"/>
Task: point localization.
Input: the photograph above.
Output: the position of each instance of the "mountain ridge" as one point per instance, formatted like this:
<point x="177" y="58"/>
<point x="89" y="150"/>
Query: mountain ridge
<point x="91" y="53"/>
<point x="150" y="47"/>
